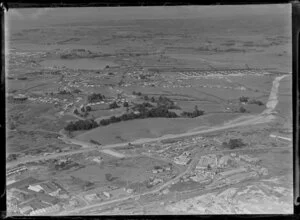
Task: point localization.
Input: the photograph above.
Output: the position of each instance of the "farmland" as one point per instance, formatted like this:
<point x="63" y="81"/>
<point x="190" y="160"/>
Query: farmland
<point x="108" y="113"/>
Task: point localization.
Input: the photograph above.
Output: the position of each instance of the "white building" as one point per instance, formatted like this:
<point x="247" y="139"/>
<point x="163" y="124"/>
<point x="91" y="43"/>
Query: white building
<point x="36" y="188"/>
<point x="107" y="194"/>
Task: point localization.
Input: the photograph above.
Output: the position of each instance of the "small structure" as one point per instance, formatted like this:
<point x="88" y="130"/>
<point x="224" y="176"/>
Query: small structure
<point x="20" y="97"/>
<point x="36" y="188"/>
<point x="107" y="194"/>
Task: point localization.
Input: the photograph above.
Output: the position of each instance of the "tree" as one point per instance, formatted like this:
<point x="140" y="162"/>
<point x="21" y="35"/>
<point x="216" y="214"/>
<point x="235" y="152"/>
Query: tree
<point x="257" y="102"/>
<point x="126" y="104"/>
<point x="95" y="97"/>
<point x="83" y="109"/>
<point x="234" y="143"/>
<point x="113" y="105"/>
<point x="242" y="109"/>
<point x="88" y="108"/>
<point x="146" y="97"/>
<point x="108" y="177"/>
<point x="244" y="99"/>
<point x="77" y="91"/>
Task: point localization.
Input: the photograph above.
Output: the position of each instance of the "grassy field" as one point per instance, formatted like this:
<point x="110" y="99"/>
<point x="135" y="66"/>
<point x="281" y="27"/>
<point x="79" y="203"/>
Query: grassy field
<point x="147" y="128"/>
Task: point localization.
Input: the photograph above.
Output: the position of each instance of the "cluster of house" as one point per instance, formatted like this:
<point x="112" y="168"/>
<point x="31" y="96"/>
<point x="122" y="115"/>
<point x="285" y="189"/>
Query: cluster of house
<point x="208" y="168"/>
<point x="161" y="169"/>
<point x="223" y="72"/>
<point x="183" y="159"/>
<point x="20" y="97"/>
<point x="176" y="151"/>
<point x="154" y="181"/>
<point x="34" y="197"/>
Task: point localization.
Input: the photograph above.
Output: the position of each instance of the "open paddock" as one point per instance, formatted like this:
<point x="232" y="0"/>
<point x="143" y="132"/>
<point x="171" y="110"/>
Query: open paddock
<point x="131" y="170"/>
<point x="151" y="128"/>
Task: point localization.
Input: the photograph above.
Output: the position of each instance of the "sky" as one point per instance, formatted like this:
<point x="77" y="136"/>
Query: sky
<point x="35" y="17"/>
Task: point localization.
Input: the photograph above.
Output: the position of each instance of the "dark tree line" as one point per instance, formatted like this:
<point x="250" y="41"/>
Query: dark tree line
<point x="81" y="125"/>
<point x="250" y="101"/>
<point x="145" y="110"/>
<point x="193" y="114"/>
<point x="113" y="105"/>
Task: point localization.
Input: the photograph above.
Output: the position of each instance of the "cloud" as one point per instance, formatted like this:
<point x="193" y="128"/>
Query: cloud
<point x="28" y="14"/>
<point x="39" y="12"/>
<point x="14" y="13"/>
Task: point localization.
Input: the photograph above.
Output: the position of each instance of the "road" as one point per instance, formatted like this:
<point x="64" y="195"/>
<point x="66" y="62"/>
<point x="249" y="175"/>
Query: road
<point x="264" y="117"/>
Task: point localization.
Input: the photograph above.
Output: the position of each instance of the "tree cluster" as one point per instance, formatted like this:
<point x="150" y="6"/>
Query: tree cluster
<point x="234" y="143"/>
<point x="250" y="101"/>
<point x="164" y="101"/>
<point x="256" y="102"/>
<point x="145" y="110"/>
<point x="136" y="93"/>
<point x="77" y="91"/>
<point x="193" y="114"/>
<point x="113" y="105"/>
<point x="81" y="125"/>
<point x="95" y="97"/>
<point x="244" y="99"/>
<point x="64" y="92"/>
<point x="242" y="110"/>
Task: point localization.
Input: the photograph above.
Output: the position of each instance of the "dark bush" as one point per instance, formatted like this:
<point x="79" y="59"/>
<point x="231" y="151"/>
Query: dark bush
<point x="113" y="105"/>
<point x="95" y="97"/>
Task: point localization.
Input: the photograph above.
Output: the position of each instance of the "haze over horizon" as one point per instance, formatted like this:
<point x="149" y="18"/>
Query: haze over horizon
<point x="26" y="18"/>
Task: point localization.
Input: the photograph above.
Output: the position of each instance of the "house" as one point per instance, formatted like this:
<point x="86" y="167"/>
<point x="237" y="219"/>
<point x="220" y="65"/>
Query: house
<point x="20" y="97"/>
<point x="107" y="194"/>
<point x="129" y="191"/>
